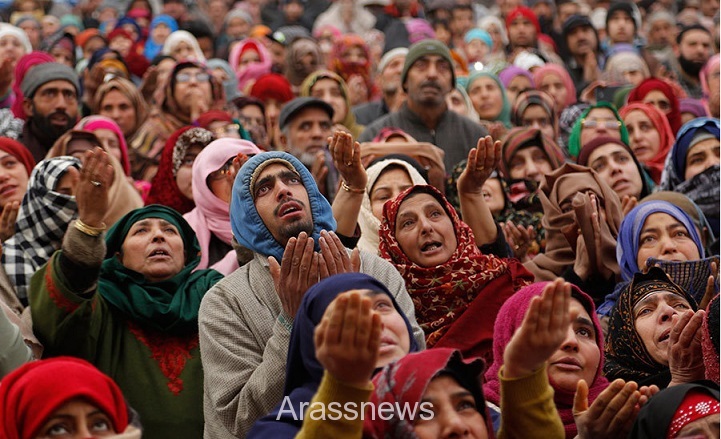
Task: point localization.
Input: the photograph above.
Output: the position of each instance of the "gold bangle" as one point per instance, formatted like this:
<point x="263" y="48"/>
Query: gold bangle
<point x="90" y="231"/>
<point x="352" y="190"/>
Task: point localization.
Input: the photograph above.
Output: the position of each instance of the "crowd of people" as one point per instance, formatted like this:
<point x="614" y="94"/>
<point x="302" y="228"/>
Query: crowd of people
<point x="372" y="218"/>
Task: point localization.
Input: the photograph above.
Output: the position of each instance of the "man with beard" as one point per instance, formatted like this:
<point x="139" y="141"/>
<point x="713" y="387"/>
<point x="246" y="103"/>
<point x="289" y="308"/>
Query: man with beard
<point x="305" y="125"/>
<point x="584" y="59"/>
<point x="389" y="74"/>
<point x="692" y="52"/>
<point x="245" y="320"/>
<point x="427" y="78"/>
<point x="51" y="103"/>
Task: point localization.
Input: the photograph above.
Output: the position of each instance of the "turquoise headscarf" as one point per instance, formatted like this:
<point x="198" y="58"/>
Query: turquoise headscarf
<point x="574" y="140"/>
<point x="505" y="114"/>
<point x="170" y="305"/>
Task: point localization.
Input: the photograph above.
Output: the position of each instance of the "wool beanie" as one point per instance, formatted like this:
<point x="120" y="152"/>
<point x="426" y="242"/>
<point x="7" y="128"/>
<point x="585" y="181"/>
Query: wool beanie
<point x="44" y="73"/>
<point x="427" y="47"/>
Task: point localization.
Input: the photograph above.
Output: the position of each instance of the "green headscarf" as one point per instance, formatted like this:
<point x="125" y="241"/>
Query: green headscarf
<point x="505" y="115"/>
<point x="170" y="305"/>
<point x="574" y="140"/>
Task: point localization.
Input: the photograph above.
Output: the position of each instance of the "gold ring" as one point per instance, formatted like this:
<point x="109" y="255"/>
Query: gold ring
<point x="349" y="164"/>
<point x="96" y="183"/>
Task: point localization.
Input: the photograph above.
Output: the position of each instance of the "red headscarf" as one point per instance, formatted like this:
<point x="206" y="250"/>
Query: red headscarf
<point x="164" y="189"/>
<point x="205" y="119"/>
<point x="272" y="86"/>
<point x="525" y="12"/>
<point x="442" y="294"/>
<point x="509" y="320"/>
<point x="19" y="151"/>
<point x="656" y="164"/>
<point x="650" y="84"/>
<point x="346" y="70"/>
<point x="24" y="64"/>
<point x="696" y="405"/>
<point x="32" y="392"/>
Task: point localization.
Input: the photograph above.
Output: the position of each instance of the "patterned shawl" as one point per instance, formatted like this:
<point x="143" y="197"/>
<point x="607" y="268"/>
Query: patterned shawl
<point x="509" y="320"/>
<point x="442" y="294"/>
<point x="626" y="354"/>
<point x="41" y="223"/>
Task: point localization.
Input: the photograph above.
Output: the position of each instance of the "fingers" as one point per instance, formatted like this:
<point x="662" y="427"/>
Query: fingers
<point x="580" y="398"/>
<point x="473" y="157"/>
<point x="620" y="407"/>
<point x="598" y="408"/>
<point x="680" y="322"/>
<point x="274" y="269"/>
<point x="288" y="257"/>
<point x="355" y="260"/>
<point x="334" y="332"/>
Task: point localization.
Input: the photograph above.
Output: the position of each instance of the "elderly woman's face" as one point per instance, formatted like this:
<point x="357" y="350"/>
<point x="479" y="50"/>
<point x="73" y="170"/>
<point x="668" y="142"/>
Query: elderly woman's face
<point x="424" y="231"/>
<point x="664" y="237"/>
<point x="389" y="184"/>
<point x="652" y="317"/>
<point x="76" y="419"/>
<point x="153" y="248"/>
<point x="454" y="412"/>
<point x="13" y="179"/>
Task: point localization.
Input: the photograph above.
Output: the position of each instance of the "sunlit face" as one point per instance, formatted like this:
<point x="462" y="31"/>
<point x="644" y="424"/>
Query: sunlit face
<point x="616" y="167"/>
<point x="530" y="163"/>
<point x="76" y="419"/>
<point x="391" y="182"/>
<point x="652" y="316"/>
<point x="701" y="156"/>
<point x="282" y="203"/>
<point x="493" y="195"/>
<point x="454" y="412"/>
<point x="456" y="102"/>
<point x="328" y="90"/>
<point x="13" y="179"/>
<point x="535" y="116"/>
<point x="487" y="98"/>
<point x="516" y="86"/>
<point x="578" y="357"/>
<point x="118" y="107"/>
<point x="554" y="86"/>
<point x="664" y="237"/>
<point x="658" y="100"/>
<point x="424" y="231"/>
<point x="110" y="142"/>
<point x="605" y="124"/>
<point x="154" y="248"/>
<point x="645" y="139"/>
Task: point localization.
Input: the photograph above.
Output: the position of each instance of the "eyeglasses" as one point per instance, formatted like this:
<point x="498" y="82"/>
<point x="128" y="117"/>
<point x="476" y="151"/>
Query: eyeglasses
<point x="248" y="120"/>
<point x="606" y="123"/>
<point x="231" y="128"/>
<point x="187" y="77"/>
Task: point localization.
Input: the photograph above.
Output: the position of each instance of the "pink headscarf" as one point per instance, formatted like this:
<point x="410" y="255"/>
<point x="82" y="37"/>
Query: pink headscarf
<point x="92" y="123"/>
<point x="24" y="64"/>
<point x="703" y="77"/>
<point x="561" y="72"/>
<point x="254" y="70"/>
<point x="211" y="214"/>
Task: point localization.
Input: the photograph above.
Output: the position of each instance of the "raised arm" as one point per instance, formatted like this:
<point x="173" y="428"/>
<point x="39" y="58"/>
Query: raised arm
<point x="347" y="202"/>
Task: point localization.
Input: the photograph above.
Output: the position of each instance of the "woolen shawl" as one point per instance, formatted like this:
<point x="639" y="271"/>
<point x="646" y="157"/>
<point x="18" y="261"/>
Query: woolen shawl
<point x="626" y="353"/>
<point x="211" y="215"/>
<point x="31" y="393"/>
<point x="303" y="371"/>
<point x="570" y="183"/>
<point x="654" y="84"/>
<point x="403" y="383"/>
<point x="369" y="224"/>
<point x="170" y="305"/>
<point x="41" y="223"/>
<point x="442" y="294"/>
<point x="656" y="164"/>
<point x="510" y="318"/>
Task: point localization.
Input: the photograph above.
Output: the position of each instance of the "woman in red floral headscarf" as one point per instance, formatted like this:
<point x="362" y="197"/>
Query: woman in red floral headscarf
<point x="450" y="281"/>
<point x="661" y="95"/>
<point x="351" y="59"/>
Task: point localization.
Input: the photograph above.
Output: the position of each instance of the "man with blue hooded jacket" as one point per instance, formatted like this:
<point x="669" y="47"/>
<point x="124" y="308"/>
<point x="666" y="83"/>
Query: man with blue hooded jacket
<point x="245" y="320"/>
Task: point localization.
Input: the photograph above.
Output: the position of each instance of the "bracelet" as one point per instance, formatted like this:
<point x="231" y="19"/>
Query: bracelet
<point x="352" y="190"/>
<point x="90" y="231"/>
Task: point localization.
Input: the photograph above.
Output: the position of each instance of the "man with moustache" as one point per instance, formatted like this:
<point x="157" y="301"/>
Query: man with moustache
<point x="245" y="320"/>
<point x="389" y="74"/>
<point x="51" y="103"/>
<point x="427" y="78"/>
<point x="584" y="59"/>
<point x="692" y="52"/>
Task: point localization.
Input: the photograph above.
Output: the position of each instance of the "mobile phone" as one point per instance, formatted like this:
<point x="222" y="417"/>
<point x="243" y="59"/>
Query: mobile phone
<point x="607" y="93"/>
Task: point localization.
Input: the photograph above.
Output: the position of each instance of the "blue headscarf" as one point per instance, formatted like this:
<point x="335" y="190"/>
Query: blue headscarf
<point x="151" y="47"/>
<point x="675" y="169"/>
<point x="248" y="227"/>
<point x="505" y="115"/>
<point x="630" y="233"/>
<point x="303" y="371"/>
<point x="230" y="85"/>
<point x="127" y="20"/>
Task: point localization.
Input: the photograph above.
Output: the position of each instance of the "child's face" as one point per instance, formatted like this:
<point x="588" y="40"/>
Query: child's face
<point x="476" y="50"/>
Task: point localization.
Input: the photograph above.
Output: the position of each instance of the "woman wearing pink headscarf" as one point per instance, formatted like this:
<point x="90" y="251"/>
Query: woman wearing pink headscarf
<point x="710" y="85"/>
<point x="249" y="59"/>
<point x="555" y="80"/>
<point x="110" y="134"/>
<point x="212" y="186"/>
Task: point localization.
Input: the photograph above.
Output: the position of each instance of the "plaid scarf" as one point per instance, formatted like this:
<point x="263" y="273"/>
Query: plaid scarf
<point x="42" y="220"/>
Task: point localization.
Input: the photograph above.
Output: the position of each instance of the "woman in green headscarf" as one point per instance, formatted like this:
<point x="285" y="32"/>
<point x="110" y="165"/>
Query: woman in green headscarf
<point x="600" y="120"/>
<point x="331" y="88"/>
<point x="489" y="98"/>
<point x="129" y="303"/>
